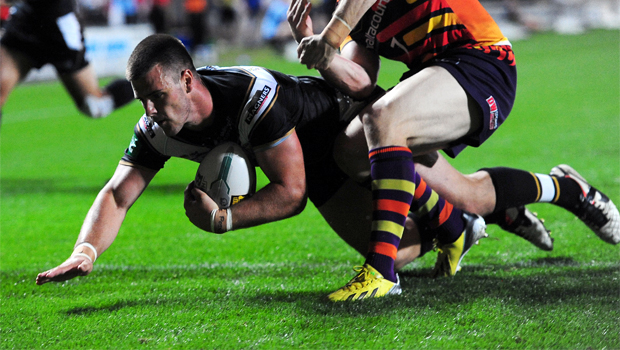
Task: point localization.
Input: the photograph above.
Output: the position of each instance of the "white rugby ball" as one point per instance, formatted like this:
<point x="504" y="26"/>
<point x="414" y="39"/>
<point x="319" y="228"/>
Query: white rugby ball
<point x="226" y="174"/>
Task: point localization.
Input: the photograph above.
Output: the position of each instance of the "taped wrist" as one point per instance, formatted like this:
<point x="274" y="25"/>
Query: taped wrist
<point x="335" y="32"/>
<point x="221" y="220"/>
<point x="80" y="251"/>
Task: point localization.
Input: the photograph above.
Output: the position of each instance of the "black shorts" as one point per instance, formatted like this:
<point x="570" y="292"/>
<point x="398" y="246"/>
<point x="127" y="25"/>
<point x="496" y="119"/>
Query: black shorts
<point x="489" y="75"/>
<point x="323" y="176"/>
<point x="55" y="38"/>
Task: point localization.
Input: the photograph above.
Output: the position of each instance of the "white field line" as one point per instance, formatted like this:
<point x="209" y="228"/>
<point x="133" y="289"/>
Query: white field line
<point x="334" y="267"/>
<point x="226" y="265"/>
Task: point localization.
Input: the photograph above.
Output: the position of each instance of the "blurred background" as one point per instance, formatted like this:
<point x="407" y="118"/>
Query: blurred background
<point x="211" y="28"/>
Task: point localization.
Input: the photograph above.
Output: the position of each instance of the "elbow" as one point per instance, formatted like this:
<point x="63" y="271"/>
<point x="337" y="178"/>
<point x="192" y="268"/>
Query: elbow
<point x="362" y="92"/>
<point x="298" y="199"/>
<point x="301" y="206"/>
<point x="359" y="88"/>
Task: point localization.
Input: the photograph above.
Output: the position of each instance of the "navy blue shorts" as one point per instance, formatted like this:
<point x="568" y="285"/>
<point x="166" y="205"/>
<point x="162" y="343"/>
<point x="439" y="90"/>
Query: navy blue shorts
<point x="46" y="37"/>
<point x="489" y="75"/>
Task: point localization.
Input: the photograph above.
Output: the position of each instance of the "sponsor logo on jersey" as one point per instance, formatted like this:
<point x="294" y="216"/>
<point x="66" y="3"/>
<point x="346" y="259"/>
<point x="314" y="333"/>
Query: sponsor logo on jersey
<point x="377" y="17"/>
<point x="148" y="126"/>
<point x="256" y="103"/>
<point x="133" y="148"/>
<point x="494" y="113"/>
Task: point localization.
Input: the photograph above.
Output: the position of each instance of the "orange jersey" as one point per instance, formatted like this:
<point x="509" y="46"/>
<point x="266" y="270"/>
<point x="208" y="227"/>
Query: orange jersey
<point x="413" y="31"/>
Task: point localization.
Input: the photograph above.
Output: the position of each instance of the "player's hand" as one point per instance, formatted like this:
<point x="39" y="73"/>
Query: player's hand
<point x="315" y="52"/>
<point x="198" y="207"/>
<point x="71" y="268"/>
<point x="298" y="16"/>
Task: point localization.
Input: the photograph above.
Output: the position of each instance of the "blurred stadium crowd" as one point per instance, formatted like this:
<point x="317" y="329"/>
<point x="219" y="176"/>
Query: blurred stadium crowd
<point x="207" y="25"/>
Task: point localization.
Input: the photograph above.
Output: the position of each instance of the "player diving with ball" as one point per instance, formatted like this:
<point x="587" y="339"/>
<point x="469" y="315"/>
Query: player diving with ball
<point x="286" y="124"/>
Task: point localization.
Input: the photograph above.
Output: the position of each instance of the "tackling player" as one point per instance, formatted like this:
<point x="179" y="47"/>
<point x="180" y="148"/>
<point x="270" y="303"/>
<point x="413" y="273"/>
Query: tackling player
<point x="459" y="88"/>
<point x="48" y="31"/>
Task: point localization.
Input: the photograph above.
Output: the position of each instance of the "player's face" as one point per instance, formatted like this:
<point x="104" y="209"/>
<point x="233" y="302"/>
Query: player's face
<point x="164" y="99"/>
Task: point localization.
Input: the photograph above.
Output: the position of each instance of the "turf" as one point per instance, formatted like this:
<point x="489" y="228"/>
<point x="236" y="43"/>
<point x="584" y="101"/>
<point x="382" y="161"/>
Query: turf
<point x="166" y="284"/>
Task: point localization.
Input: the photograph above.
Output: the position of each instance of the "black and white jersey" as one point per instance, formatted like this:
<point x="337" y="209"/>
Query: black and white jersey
<point x="51" y="8"/>
<point x="47" y="31"/>
<point x="256" y="108"/>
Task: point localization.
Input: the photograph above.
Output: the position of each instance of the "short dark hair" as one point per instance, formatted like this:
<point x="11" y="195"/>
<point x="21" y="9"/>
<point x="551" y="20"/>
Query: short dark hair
<point x="162" y="49"/>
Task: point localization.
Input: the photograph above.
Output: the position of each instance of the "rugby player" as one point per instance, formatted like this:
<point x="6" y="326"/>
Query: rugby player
<point x="49" y="31"/>
<point x="459" y="88"/>
<point x="286" y="124"/>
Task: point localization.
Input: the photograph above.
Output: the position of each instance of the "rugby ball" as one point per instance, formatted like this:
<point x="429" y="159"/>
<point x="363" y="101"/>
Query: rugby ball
<point x="226" y="174"/>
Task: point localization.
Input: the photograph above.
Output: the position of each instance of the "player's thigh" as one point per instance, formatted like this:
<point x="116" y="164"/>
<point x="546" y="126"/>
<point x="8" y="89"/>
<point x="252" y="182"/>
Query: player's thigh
<point x="351" y="151"/>
<point x="82" y="83"/>
<point x="13" y="69"/>
<point x="425" y="112"/>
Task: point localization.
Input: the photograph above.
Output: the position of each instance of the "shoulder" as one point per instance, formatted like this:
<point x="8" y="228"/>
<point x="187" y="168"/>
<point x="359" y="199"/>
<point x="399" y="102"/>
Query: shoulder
<point x="151" y="133"/>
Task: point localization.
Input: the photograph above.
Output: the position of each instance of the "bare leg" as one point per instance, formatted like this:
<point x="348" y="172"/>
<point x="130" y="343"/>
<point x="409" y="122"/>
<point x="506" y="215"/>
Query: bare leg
<point x="83" y="86"/>
<point x="473" y="193"/>
<point x="13" y="68"/>
<point x="425" y="112"/>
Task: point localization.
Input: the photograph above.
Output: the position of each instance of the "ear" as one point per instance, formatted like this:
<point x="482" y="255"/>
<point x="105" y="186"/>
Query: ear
<point x="187" y="79"/>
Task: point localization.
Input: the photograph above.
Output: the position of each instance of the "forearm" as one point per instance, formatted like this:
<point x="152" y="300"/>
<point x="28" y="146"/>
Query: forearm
<point x="352" y="10"/>
<point x="348" y="77"/>
<point x="345" y="17"/>
<point x="284" y="196"/>
<point x="102" y="222"/>
<point x="107" y="213"/>
<point x="272" y="203"/>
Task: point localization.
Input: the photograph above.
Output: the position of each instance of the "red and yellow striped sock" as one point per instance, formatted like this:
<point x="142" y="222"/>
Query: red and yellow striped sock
<point x="393" y="173"/>
<point x="439" y="218"/>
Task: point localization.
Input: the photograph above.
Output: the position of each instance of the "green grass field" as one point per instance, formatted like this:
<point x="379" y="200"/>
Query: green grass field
<point x="166" y="284"/>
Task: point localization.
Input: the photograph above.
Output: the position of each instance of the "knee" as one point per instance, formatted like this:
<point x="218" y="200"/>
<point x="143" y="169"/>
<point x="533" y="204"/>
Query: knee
<point x="479" y="195"/>
<point x="383" y="126"/>
<point x="373" y="116"/>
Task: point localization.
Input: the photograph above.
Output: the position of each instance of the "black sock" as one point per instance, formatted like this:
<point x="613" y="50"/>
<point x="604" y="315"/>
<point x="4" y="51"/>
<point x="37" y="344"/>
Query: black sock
<point x="496" y="217"/>
<point x="569" y="194"/>
<point x="121" y="92"/>
<point x="514" y="188"/>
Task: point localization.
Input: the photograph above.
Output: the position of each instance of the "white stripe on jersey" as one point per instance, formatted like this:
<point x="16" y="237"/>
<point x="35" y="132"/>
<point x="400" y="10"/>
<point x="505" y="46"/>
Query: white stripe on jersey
<point x="262" y="95"/>
<point x="70" y="28"/>
<point x="169" y="146"/>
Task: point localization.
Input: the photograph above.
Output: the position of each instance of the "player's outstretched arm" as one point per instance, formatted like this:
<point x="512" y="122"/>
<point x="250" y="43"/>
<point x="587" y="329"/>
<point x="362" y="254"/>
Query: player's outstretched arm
<point x="102" y="223"/>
